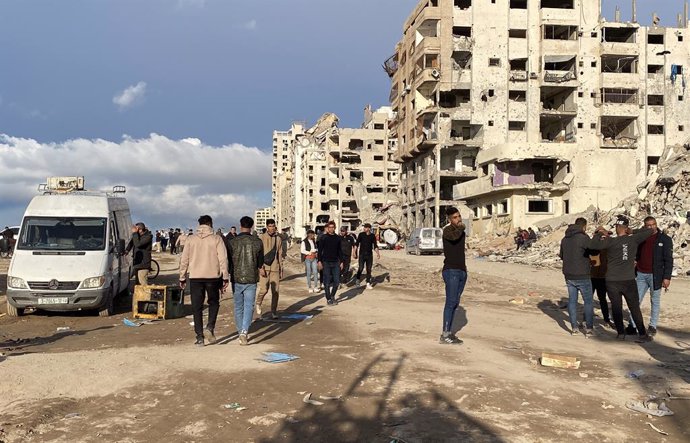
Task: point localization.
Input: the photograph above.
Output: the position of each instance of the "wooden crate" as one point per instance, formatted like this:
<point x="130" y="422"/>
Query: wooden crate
<point x="157" y="302"/>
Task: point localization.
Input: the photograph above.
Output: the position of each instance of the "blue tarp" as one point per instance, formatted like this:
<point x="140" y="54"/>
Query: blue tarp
<point x="277" y="357"/>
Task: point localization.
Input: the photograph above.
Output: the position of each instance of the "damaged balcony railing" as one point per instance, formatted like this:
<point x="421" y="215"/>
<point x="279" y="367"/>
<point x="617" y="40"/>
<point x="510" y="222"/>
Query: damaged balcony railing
<point x="559" y="76"/>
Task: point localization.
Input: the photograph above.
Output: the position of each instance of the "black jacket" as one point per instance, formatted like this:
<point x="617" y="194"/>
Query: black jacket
<point x="141" y="244"/>
<point x="621" y="253"/>
<point x="245" y="258"/>
<point x="454" y="247"/>
<point x="330" y="249"/>
<point x="575" y="254"/>
<point x="662" y="259"/>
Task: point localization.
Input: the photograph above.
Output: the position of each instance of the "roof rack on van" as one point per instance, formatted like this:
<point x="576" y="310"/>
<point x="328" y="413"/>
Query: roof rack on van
<point x="62" y="184"/>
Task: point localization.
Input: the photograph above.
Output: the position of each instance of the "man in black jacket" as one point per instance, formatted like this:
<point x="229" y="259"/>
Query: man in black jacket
<point x="620" y="272"/>
<point x="364" y="250"/>
<point x="454" y="272"/>
<point x="577" y="271"/>
<point x="330" y="257"/>
<point x="654" y="270"/>
<point x="141" y="244"/>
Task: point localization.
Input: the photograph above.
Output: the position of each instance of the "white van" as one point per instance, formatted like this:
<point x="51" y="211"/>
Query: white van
<point x="425" y="240"/>
<point x="70" y="252"/>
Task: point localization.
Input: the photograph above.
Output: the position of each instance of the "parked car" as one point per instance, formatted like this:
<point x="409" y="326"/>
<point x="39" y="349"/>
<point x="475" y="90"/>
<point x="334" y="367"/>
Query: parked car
<point x="425" y="241"/>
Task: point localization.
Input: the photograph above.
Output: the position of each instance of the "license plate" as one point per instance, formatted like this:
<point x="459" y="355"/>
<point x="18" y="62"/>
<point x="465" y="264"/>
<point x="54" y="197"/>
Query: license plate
<point x="53" y="300"/>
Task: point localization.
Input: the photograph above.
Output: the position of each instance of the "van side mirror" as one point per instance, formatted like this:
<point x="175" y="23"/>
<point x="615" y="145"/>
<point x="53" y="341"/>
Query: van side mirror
<point x="121" y="247"/>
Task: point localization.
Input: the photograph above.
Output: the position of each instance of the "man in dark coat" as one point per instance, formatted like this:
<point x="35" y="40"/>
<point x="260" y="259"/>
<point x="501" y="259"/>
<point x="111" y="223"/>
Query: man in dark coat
<point x="141" y="244"/>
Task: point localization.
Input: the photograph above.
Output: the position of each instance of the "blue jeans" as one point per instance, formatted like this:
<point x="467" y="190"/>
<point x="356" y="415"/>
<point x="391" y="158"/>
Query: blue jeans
<point x="312" y="272"/>
<point x="645" y="282"/>
<point x="455" y="280"/>
<point x="331" y="278"/>
<point x="584" y="287"/>
<point x="245" y="297"/>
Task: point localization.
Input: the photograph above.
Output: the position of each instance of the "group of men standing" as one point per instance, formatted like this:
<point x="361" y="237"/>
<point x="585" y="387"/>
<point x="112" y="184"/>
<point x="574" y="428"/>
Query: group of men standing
<point x="174" y="238"/>
<point x="626" y="266"/>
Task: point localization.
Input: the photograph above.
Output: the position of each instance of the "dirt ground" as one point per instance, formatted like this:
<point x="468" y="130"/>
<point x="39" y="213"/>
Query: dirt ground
<point x="377" y="351"/>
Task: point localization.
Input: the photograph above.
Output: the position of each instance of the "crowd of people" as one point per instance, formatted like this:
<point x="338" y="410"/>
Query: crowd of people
<point x="626" y="266"/>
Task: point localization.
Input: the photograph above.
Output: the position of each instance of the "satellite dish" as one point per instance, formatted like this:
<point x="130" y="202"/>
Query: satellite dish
<point x="390" y="237"/>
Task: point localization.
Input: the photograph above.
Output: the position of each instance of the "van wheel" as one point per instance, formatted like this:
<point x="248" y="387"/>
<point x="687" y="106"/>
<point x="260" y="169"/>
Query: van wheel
<point x="109" y="308"/>
<point x="13" y="311"/>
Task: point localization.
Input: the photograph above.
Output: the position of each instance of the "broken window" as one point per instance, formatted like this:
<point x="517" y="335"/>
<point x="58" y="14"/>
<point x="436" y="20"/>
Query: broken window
<point x="356" y="175"/>
<point x="655" y="100"/>
<point x="559" y="68"/>
<point x="618" y="35"/>
<point x="558" y="99"/>
<point x="618" y="95"/>
<point x="462" y="59"/>
<point x="654" y="69"/>
<point x="652" y="164"/>
<point x="655" y="129"/>
<point x="378" y="158"/>
<point x="619" y="131"/>
<point x="324" y="206"/>
<point x="462" y="4"/>
<point x="516" y="126"/>
<point x="560" y="32"/>
<point x="557" y="128"/>
<point x="539" y="206"/>
<point x="517" y="96"/>
<point x="626" y="64"/>
<point x="518" y="64"/>
<point x="566" y="206"/>
<point x="379" y="126"/>
<point x="356" y="144"/>
<point x="378" y="142"/>
<point x="543" y="172"/>
<point x="518" y="4"/>
<point x="378" y="173"/>
<point x="494" y="61"/>
<point x="462" y="31"/>
<point x="517" y="33"/>
<point x="489" y="210"/>
<point x="558" y="4"/>
<point x="655" y="39"/>
<point x="502" y="207"/>
<point x="452" y="99"/>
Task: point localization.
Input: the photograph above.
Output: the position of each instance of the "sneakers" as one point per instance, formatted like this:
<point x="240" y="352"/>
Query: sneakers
<point x="274" y="316"/>
<point x="589" y="332"/>
<point x="199" y="342"/>
<point x="651" y="331"/>
<point x="212" y="336"/>
<point x="331" y="302"/>
<point x="449" y="339"/>
<point x="369" y="286"/>
<point x="243" y="340"/>
<point x="574" y="330"/>
<point x="258" y="310"/>
<point x="644" y="339"/>
<point x="609" y="324"/>
<point x="358" y="283"/>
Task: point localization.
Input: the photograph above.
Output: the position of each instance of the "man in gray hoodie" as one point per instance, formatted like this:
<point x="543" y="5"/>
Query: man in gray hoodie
<point x="577" y="270"/>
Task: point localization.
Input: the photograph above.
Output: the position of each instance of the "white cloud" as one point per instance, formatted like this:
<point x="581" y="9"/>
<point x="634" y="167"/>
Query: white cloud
<point x="182" y="4"/>
<point x="131" y="96"/>
<point x="169" y="182"/>
<point x="250" y="25"/>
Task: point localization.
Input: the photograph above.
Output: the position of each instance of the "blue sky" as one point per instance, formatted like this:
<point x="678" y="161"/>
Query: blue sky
<point x="226" y="72"/>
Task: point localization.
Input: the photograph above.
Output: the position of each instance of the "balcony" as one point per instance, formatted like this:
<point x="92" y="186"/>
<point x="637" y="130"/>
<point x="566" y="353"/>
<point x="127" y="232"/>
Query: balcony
<point x="428" y="44"/>
<point x="560" y="77"/>
<point x="620" y="102"/>
<point x="424" y="76"/>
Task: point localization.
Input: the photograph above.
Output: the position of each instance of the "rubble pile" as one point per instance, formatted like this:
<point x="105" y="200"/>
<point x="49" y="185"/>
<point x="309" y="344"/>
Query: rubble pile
<point x="665" y="195"/>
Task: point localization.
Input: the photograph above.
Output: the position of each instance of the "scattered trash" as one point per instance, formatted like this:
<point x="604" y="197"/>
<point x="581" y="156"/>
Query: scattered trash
<point x="277" y="357"/>
<point x="517" y="301"/>
<point x="584" y="375"/>
<point x="297" y="316"/>
<point x="559" y="361"/>
<point x="307" y="399"/>
<point x="652" y="406"/>
<point x="324" y="397"/>
<point x="678" y="393"/>
<point x="130" y="323"/>
<point x="73" y="415"/>
<point x="461" y="399"/>
<point x="657" y="429"/>
<point x="63" y="329"/>
<point x="605" y="406"/>
<point x="635" y="374"/>
<point x="235" y="406"/>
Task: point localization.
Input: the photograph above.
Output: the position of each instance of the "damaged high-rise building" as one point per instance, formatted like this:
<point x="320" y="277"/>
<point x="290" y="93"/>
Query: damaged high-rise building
<point x="332" y="173"/>
<point x="528" y="109"/>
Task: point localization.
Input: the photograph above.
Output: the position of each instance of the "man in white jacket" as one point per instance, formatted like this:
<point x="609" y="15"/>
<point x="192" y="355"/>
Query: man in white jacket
<point x="205" y="259"/>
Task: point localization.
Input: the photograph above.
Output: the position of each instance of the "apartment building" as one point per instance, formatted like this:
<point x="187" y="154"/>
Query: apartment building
<point x="282" y="186"/>
<point x="260" y="218"/>
<point x="528" y="109"/>
<point x="340" y="174"/>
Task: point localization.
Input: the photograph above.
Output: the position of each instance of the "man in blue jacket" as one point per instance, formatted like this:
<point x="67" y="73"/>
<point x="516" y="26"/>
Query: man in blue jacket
<point x="654" y="269"/>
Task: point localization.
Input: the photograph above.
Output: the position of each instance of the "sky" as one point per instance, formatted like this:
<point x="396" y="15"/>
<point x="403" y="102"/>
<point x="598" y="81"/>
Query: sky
<point x="177" y="99"/>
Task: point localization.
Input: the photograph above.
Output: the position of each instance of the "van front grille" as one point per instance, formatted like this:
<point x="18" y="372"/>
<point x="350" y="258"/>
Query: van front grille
<point x="62" y="286"/>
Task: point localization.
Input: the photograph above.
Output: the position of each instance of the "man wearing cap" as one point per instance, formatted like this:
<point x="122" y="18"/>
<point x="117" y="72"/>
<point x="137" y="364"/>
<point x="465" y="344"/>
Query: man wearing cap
<point x="364" y="249"/>
<point x="620" y="273"/>
<point x="654" y="270"/>
<point x="347" y="244"/>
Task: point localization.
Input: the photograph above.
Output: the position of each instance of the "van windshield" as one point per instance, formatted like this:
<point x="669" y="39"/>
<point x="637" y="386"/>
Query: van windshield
<point x="63" y="234"/>
<point x="432" y="233"/>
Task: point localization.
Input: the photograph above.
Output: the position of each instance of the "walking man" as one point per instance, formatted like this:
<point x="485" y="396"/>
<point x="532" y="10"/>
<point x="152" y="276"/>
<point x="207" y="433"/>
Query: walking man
<point x="454" y="272"/>
<point x="164" y="240"/>
<point x="347" y="243"/>
<point x="330" y="257"/>
<point x="309" y="252"/>
<point x="245" y="259"/>
<point x="205" y="258"/>
<point x="173" y="241"/>
<point x="141" y="245"/>
<point x="232" y="234"/>
<point x="272" y="270"/>
<point x="654" y="271"/>
<point x="620" y="273"/>
<point x="180" y="241"/>
<point x="364" y="248"/>
<point x="577" y="271"/>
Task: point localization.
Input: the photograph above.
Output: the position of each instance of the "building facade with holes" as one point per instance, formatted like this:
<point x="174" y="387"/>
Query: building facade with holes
<point x="531" y="109"/>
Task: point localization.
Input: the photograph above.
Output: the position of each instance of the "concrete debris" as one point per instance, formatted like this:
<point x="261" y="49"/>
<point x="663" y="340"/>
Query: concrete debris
<point x="559" y="361"/>
<point x="665" y="195"/>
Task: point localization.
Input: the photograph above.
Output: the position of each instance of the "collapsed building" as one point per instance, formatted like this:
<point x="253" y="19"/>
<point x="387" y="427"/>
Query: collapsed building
<point x="528" y="110"/>
<point x="342" y="174"/>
